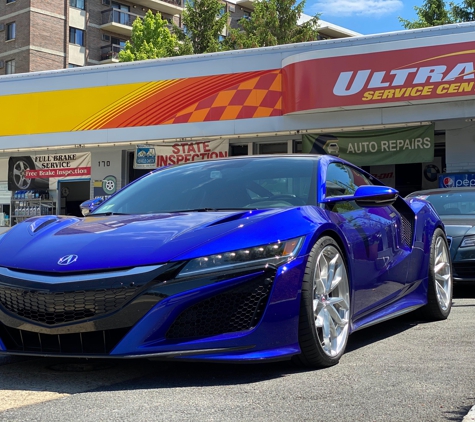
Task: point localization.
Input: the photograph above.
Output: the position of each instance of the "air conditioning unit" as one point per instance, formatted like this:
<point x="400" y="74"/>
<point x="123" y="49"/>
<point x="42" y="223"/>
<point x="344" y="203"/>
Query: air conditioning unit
<point x="2" y="64"/>
<point x="106" y="37"/>
<point x="2" y="27"/>
<point x="106" y="2"/>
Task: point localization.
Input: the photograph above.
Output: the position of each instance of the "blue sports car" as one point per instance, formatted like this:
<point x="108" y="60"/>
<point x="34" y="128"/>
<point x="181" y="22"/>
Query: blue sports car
<point x="239" y="259"/>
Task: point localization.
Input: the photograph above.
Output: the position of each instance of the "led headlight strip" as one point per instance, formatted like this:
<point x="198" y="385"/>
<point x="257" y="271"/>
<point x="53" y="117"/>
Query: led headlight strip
<point x="468" y="241"/>
<point x="274" y="253"/>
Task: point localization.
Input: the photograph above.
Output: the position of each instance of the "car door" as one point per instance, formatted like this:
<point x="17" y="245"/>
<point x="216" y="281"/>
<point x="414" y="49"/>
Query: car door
<point x="373" y="239"/>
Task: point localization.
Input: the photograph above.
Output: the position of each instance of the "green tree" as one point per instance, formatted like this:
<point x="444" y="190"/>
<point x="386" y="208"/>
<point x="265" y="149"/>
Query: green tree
<point x="431" y="13"/>
<point x="273" y="22"/>
<point x="151" y="39"/>
<point x="203" y="22"/>
<point x="464" y="12"/>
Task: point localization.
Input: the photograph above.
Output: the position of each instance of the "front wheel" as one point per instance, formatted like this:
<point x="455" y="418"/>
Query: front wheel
<point x="439" y="292"/>
<point x="325" y="307"/>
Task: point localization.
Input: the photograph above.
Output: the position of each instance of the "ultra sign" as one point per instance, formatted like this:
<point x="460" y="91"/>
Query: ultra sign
<point x="433" y="73"/>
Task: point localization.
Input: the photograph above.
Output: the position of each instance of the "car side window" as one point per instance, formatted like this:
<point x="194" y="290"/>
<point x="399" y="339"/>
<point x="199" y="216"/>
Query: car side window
<point x="343" y="180"/>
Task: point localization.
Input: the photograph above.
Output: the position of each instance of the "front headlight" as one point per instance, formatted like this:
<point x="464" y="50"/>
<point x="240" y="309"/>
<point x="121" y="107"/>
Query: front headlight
<point x="274" y="253"/>
<point x="468" y="241"/>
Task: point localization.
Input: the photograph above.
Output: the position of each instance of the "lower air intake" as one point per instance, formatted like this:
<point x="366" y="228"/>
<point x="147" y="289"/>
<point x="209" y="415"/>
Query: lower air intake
<point x="464" y="269"/>
<point x="91" y="343"/>
<point x="237" y="309"/>
<point x="60" y="307"/>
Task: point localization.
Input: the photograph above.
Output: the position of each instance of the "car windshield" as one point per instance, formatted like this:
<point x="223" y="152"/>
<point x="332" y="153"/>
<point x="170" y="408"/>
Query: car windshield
<point x="452" y="203"/>
<point x="244" y="183"/>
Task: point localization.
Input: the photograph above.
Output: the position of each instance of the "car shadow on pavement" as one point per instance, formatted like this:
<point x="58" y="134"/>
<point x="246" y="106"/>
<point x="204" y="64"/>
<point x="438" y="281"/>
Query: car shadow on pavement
<point x="175" y="374"/>
<point x="458" y="415"/>
<point x="69" y="376"/>
<point x="382" y="331"/>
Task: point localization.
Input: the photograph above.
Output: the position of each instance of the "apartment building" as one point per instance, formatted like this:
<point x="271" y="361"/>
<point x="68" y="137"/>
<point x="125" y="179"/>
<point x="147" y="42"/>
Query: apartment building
<point x="38" y="35"/>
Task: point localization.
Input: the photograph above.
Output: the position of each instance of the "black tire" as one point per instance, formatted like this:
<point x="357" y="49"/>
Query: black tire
<point x="440" y="284"/>
<point x="319" y="349"/>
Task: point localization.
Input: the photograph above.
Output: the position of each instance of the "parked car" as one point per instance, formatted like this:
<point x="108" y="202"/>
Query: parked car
<point x="456" y="207"/>
<point x="239" y="259"/>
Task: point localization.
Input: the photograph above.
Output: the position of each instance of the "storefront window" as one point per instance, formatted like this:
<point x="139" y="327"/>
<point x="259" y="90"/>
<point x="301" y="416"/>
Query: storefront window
<point x="239" y="150"/>
<point x="274" y="148"/>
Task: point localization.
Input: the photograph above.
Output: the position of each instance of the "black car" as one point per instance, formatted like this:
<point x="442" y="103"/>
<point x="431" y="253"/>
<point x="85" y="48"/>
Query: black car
<point x="456" y="207"/>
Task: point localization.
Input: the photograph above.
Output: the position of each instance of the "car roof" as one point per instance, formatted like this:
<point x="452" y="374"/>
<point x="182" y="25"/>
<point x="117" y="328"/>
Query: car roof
<point x="437" y="191"/>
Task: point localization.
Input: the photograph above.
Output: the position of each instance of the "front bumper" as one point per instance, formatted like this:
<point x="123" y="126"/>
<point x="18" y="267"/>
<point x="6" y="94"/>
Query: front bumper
<point x="464" y="271"/>
<point x="147" y="312"/>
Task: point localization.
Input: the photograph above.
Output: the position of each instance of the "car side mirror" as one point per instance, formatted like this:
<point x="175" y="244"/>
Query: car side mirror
<point x="369" y="196"/>
<point x="375" y="196"/>
<point x="90" y="205"/>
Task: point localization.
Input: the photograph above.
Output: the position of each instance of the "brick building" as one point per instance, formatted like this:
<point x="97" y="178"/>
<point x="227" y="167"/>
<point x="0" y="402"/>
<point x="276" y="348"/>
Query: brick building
<point x="37" y="35"/>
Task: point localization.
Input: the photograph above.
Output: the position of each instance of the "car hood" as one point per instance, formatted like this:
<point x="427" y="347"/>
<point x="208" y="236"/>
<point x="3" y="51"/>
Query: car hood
<point x="119" y="241"/>
<point x="459" y="225"/>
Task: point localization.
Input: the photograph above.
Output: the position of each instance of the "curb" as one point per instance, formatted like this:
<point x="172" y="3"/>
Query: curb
<point x="470" y="416"/>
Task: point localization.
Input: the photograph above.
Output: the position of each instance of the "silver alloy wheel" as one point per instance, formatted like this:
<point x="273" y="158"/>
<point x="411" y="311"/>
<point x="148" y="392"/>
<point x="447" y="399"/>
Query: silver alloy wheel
<point x="19" y="174"/>
<point x="443" y="274"/>
<point x="331" y="298"/>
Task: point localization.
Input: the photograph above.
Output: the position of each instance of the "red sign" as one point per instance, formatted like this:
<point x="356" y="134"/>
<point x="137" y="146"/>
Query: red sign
<point x="191" y="151"/>
<point x="429" y="73"/>
<point x="60" y="173"/>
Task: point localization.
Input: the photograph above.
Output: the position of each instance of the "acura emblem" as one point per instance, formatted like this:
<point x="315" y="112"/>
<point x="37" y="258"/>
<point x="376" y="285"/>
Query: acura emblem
<point x="68" y="259"/>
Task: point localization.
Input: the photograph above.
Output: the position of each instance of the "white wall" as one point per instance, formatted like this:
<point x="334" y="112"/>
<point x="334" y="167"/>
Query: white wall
<point x="460" y="146"/>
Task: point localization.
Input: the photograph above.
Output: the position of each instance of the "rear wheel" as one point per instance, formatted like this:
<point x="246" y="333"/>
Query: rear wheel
<point x="325" y="307"/>
<point x="439" y="293"/>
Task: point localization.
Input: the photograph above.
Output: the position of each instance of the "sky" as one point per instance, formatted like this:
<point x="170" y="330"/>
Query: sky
<point x="364" y="16"/>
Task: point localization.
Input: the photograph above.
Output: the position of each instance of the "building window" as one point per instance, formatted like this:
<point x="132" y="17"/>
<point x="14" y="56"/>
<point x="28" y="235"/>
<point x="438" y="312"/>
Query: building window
<point x="10" y="1"/>
<point x="76" y="36"/>
<point x="11" y="31"/>
<point x="78" y="4"/>
<point x="246" y="15"/>
<point x="272" y="148"/>
<point x="9" y="67"/>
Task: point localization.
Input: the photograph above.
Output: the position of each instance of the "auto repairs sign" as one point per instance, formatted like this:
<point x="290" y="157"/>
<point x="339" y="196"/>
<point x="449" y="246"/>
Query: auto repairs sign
<point x="375" y="147"/>
<point x="373" y="75"/>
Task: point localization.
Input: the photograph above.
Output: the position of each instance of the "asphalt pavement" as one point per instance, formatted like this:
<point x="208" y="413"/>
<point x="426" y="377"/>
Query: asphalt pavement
<point x="396" y="371"/>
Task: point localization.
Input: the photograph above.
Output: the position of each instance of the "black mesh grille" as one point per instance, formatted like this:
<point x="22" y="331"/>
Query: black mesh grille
<point x="407" y="229"/>
<point x="59" y="307"/>
<point x="464" y="270"/>
<point x="238" y="309"/>
<point x="94" y="343"/>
